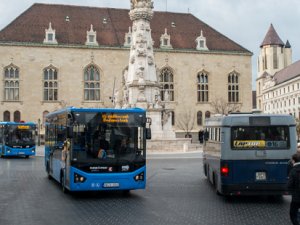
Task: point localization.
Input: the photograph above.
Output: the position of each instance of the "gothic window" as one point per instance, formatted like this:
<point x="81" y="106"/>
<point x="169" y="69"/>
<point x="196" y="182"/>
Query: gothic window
<point x="199" y="118"/>
<point x="173" y="118"/>
<point x="50" y="35"/>
<point x="91" y="84"/>
<point x="6" y="116"/>
<point x="11" y="83"/>
<point x="207" y="114"/>
<point x="50" y="84"/>
<point x="91" y="37"/>
<point x="233" y="87"/>
<point x="167" y="82"/>
<point x="17" y="116"/>
<point x="202" y="87"/>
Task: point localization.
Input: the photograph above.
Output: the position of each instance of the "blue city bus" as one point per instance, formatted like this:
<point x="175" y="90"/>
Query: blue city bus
<point x="17" y="139"/>
<point x="247" y="154"/>
<point x="83" y="148"/>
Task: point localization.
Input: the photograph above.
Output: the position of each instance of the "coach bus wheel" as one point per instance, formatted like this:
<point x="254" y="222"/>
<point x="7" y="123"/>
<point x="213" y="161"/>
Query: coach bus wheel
<point x="215" y="184"/>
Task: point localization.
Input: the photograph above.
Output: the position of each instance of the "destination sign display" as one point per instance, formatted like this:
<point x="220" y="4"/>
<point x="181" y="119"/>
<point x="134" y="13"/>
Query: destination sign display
<point x="23" y="127"/>
<point x="115" y="118"/>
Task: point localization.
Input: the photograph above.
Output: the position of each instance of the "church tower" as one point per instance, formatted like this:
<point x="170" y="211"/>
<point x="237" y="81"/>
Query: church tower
<point x="274" y="56"/>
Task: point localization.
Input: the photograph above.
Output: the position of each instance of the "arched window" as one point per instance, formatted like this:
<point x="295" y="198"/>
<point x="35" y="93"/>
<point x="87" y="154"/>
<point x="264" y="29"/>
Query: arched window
<point x="17" y="116"/>
<point x="50" y="84"/>
<point x="199" y="118"/>
<point x="166" y="79"/>
<point x="233" y="87"/>
<point x="11" y="83"/>
<point x="91" y="84"/>
<point x="6" y="116"/>
<point x="207" y="114"/>
<point x="202" y="87"/>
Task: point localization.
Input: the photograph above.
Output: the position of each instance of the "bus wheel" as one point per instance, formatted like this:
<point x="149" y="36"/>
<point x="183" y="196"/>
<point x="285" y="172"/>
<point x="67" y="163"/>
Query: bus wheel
<point x="48" y="171"/>
<point x="205" y="170"/>
<point x="62" y="183"/>
<point x="215" y="184"/>
<point x="126" y="193"/>
<point x="26" y="156"/>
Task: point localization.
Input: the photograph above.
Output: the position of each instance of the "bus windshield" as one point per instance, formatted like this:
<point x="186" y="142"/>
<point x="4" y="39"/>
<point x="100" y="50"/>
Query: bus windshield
<point x="260" y="137"/>
<point x="98" y="140"/>
<point x="19" y="135"/>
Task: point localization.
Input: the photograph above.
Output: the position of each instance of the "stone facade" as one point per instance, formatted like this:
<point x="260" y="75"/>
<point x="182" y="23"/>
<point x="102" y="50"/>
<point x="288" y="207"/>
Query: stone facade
<point x="71" y="60"/>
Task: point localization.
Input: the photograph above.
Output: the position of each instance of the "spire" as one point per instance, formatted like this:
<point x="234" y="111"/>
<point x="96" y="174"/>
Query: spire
<point x="272" y="38"/>
<point x="287" y="44"/>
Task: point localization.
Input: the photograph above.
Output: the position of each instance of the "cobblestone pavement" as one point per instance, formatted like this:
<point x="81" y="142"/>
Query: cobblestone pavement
<point x="177" y="194"/>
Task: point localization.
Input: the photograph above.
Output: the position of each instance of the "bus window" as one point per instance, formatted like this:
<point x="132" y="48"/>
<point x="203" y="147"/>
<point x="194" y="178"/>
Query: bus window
<point x="269" y="138"/>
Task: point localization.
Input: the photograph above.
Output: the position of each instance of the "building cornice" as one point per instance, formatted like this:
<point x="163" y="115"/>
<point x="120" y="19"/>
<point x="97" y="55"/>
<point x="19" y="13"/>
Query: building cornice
<point x="190" y="51"/>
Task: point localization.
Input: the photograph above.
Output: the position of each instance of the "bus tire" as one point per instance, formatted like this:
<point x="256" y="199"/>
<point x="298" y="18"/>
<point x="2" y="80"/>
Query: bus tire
<point x="215" y="184"/>
<point x="126" y="193"/>
<point x="62" y="183"/>
<point x="48" y="171"/>
<point x="205" y="170"/>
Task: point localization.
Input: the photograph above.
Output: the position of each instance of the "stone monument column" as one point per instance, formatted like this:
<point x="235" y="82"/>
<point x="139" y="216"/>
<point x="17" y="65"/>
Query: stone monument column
<point x="141" y="81"/>
<point x="141" y="87"/>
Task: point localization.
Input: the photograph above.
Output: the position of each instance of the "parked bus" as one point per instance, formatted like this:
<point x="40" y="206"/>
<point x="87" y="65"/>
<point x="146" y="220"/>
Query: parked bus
<point x="17" y="139"/>
<point x="91" y="149"/>
<point x="247" y="154"/>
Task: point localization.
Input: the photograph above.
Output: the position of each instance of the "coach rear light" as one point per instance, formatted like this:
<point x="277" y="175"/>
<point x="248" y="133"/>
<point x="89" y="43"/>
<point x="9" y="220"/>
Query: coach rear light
<point x="78" y="178"/>
<point x="224" y="170"/>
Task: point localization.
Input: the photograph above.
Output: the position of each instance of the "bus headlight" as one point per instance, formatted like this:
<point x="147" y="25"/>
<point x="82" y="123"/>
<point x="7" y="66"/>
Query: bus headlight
<point x="78" y="178"/>
<point x="139" y="177"/>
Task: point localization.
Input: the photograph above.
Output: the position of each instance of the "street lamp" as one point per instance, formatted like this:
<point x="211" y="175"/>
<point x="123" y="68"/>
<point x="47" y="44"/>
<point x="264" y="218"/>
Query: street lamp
<point x="39" y="126"/>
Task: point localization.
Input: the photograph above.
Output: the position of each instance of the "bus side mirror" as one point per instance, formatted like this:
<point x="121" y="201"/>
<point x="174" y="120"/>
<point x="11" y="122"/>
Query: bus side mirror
<point x="69" y="132"/>
<point x="148" y="133"/>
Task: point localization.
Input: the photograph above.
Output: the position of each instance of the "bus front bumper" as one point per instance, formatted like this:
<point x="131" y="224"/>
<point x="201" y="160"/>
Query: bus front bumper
<point x="8" y="151"/>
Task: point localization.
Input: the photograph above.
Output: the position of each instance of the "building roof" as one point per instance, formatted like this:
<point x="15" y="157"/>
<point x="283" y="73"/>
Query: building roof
<point x="30" y="27"/>
<point x="272" y="38"/>
<point x="287" y="73"/>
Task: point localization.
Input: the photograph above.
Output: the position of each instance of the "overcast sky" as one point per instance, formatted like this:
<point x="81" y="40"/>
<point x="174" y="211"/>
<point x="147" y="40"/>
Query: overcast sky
<point x="245" y="22"/>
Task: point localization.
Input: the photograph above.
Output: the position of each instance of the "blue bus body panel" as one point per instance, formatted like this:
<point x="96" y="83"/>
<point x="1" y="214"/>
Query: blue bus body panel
<point x="96" y="182"/>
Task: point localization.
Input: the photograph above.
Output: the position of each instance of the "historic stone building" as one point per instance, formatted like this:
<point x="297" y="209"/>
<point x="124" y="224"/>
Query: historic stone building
<point x="278" y="82"/>
<point x="54" y="56"/>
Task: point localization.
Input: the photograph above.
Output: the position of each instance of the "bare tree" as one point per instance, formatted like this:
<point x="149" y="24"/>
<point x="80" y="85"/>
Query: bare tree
<point x="220" y="106"/>
<point x="186" y="121"/>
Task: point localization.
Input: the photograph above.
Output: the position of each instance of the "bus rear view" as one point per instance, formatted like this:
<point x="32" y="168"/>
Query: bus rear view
<point x="254" y="150"/>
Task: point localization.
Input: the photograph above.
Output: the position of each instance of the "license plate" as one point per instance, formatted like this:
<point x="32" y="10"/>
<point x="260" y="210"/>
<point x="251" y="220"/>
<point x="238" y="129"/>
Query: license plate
<point x="111" y="185"/>
<point x="260" y="176"/>
<point x="21" y="153"/>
